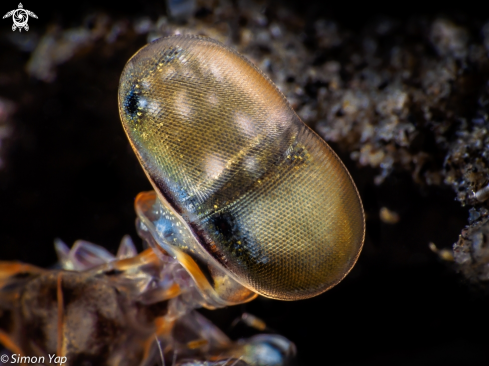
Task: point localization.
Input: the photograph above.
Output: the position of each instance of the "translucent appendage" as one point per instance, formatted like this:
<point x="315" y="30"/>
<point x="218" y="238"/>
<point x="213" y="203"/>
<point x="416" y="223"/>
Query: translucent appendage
<point x="144" y="303"/>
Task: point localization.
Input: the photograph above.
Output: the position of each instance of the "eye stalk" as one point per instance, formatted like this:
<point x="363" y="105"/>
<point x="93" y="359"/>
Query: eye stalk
<point x="164" y="230"/>
<point x="248" y="198"/>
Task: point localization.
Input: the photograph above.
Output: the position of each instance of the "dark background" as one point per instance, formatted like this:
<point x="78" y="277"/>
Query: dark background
<point x="71" y="174"/>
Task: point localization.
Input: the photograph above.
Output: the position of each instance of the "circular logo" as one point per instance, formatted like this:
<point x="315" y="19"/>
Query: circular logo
<point x="20" y="17"/>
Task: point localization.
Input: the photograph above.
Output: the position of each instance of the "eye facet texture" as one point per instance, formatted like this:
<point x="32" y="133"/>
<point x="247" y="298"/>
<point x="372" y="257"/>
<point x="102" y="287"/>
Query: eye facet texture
<point x="262" y="193"/>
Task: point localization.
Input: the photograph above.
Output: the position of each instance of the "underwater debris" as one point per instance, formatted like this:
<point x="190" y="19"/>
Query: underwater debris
<point x="471" y="252"/>
<point x="388" y="216"/>
<point x="59" y="46"/>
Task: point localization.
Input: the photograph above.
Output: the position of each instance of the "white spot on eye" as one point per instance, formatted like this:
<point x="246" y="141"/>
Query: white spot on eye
<point x="215" y="68"/>
<point x="214" y="166"/>
<point x="252" y="165"/>
<point x="245" y="123"/>
<point x="182" y="106"/>
<point x="213" y="99"/>
<point x="142" y="103"/>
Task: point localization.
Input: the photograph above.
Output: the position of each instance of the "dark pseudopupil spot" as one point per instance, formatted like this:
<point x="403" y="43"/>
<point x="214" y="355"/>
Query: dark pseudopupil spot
<point x="229" y="234"/>
<point x="131" y="102"/>
<point x="224" y="225"/>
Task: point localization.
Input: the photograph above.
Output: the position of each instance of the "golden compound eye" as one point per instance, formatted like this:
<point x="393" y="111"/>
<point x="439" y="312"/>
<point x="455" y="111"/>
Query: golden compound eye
<point x="246" y="189"/>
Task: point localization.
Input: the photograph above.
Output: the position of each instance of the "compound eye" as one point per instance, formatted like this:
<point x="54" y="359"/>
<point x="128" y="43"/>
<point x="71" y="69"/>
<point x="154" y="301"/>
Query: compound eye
<point x="262" y="197"/>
